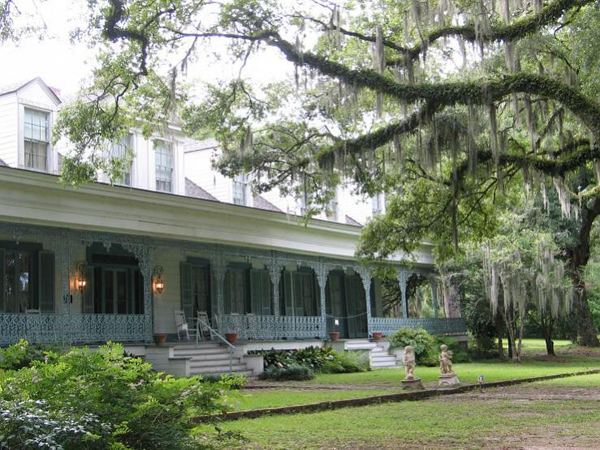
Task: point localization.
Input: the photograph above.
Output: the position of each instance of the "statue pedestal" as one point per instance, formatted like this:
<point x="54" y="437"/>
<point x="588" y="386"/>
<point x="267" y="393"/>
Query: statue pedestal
<point x="412" y="384"/>
<point x="448" y="380"/>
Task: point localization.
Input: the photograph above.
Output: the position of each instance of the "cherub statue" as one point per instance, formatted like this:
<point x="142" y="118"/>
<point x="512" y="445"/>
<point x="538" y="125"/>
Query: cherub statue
<point x="445" y="359"/>
<point x="409" y="362"/>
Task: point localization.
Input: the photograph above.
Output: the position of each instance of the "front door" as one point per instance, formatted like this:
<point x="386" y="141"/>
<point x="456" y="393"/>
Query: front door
<point x="200" y="289"/>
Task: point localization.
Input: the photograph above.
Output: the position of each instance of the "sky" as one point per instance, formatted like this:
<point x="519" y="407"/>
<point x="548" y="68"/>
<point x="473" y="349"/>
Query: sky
<point x="63" y="64"/>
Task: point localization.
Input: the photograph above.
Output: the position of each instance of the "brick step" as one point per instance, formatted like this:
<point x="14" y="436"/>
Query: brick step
<point x="208" y="351"/>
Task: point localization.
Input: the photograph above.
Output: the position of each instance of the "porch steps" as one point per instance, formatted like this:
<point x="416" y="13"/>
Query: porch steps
<point x="210" y="358"/>
<point x="379" y="356"/>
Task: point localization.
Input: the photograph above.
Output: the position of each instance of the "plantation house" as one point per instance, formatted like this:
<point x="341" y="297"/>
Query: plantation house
<point x="104" y="262"/>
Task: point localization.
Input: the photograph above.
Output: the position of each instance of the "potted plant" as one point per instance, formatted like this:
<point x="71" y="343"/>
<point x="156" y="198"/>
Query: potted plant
<point x="377" y="335"/>
<point x="334" y="335"/>
<point x="231" y="337"/>
<point x="160" y="338"/>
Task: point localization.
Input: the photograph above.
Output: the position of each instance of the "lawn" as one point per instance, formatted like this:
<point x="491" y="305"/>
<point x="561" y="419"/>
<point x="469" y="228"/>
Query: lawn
<point x="506" y="417"/>
<point x="330" y="387"/>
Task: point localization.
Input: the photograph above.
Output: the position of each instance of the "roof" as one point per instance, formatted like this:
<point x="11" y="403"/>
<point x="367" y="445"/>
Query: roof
<point x="262" y="203"/>
<point x="18" y="85"/>
<point x="193" y="145"/>
<point x="351" y="221"/>
<point x="193" y="190"/>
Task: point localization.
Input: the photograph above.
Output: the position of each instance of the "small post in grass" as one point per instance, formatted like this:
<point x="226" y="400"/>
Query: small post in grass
<point x="480" y="380"/>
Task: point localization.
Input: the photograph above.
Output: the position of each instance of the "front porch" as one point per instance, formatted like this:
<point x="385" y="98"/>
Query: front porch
<point x="70" y="286"/>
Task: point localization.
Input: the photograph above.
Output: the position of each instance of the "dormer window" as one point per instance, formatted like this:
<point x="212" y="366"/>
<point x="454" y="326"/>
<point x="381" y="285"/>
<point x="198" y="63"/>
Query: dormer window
<point x="164" y="166"/>
<point x="240" y="187"/>
<point x="119" y="151"/>
<point x="378" y="203"/>
<point x="332" y="208"/>
<point x="36" y="139"/>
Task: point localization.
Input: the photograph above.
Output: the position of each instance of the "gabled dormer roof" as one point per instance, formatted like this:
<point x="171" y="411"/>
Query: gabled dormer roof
<point x="18" y="86"/>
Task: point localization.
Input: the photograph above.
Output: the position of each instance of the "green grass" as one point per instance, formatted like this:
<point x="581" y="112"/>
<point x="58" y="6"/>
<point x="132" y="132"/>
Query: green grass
<point x="468" y="372"/>
<point x="453" y="422"/>
<point x="272" y="399"/>
<point x="539" y="344"/>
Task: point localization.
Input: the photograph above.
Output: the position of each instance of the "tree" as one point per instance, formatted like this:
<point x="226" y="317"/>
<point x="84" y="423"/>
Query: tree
<point x="450" y="106"/>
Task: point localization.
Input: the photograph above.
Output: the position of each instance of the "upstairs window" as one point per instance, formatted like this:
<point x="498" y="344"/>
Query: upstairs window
<point x="333" y="208"/>
<point x="240" y="187"/>
<point x="119" y="151"/>
<point x="378" y="203"/>
<point x="164" y="167"/>
<point x="36" y="139"/>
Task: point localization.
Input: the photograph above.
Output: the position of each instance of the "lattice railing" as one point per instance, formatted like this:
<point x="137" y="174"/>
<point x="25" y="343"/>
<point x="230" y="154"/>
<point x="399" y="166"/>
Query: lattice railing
<point x="388" y="325"/>
<point x="77" y="328"/>
<point x="274" y="327"/>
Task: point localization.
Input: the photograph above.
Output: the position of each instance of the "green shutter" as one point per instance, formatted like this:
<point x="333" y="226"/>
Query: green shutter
<point x="255" y="291"/>
<point x="289" y="294"/>
<point x="267" y="293"/>
<point x="88" y="293"/>
<point x="2" y="278"/>
<point x="227" y="292"/>
<point x="46" y="278"/>
<point x="186" y="291"/>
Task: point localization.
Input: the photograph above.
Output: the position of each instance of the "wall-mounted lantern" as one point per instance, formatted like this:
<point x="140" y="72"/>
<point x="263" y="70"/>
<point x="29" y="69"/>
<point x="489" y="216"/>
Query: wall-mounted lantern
<point x="81" y="282"/>
<point x="159" y="284"/>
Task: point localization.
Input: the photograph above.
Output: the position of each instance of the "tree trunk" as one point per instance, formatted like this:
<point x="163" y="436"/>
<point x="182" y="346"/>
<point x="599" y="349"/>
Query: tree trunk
<point x="578" y="257"/>
<point x="500" y="334"/>
<point x="550" y="346"/>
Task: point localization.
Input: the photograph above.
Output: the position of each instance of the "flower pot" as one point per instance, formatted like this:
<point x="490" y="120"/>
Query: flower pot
<point x="231" y="337"/>
<point x="334" y="335"/>
<point x="377" y="335"/>
<point x="160" y="338"/>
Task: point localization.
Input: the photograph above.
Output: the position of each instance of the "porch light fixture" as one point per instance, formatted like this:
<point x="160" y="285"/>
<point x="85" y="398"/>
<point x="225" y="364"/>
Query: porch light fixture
<point x="81" y="282"/>
<point x="159" y="284"/>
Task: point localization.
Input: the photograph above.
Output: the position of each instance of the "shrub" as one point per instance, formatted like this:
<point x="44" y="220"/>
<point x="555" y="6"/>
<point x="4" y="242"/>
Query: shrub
<point x="233" y="380"/>
<point x="424" y="344"/>
<point x="295" y="372"/>
<point x="120" y="400"/>
<point x="311" y="357"/>
<point x="22" y="354"/>
<point x="347" y="362"/>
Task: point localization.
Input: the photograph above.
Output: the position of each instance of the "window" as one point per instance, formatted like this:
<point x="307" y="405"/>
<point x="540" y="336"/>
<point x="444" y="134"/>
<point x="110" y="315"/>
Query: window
<point x="164" y="166"/>
<point x="36" y="139"/>
<point x="240" y="185"/>
<point x="332" y="208"/>
<point x="119" y="151"/>
<point x="26" y="279"/>
<point x="378" y="203"/>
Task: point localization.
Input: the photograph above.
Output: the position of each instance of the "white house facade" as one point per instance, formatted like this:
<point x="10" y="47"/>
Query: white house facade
<point x="102" y="262"/>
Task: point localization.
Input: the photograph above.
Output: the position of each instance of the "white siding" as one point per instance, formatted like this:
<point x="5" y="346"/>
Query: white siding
<point x="199" y="169"/>
<point x="9" y="127"/>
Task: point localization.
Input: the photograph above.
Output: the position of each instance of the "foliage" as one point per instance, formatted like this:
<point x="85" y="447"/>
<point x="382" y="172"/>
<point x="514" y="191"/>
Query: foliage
<point x="424" y="344"/>
<point x="232" y="380"/>
<point x="459" y="353"/>
<point x="22" y="354"/>
<point x="347" y="362"/>
<point x="120" y="400"/>
<point x="295" y="372"/>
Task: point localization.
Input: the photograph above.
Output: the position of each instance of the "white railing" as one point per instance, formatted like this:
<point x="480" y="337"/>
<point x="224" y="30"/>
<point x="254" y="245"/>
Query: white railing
<point x="387" y="325"/>
<point x="76" y="328"/>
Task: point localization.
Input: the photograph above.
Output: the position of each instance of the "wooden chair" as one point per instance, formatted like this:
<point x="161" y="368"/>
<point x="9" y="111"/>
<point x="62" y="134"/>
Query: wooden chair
<point x="202" y="330"/>
<point x="182" y="325"/>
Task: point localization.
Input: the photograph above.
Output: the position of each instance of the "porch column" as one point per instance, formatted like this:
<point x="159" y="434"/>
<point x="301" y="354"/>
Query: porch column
<point x="275" y="267"/>
<point x="434" y="295"/>
<point x="403" y="277"/>
<point x="366" y="279"/>
<point x="219" y="268"/>
<point x="141" y="250"/>
<point x="322" y="272"/>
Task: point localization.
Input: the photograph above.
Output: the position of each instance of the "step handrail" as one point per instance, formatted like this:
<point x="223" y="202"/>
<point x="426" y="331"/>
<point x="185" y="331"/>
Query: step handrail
<point x="215" y="333"/>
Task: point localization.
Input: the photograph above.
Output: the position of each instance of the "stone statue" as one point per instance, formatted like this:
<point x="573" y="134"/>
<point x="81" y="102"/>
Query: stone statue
<point x="445" y="359"/>
<point x="409" y="362"/>
<point x="447" y="376"/>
